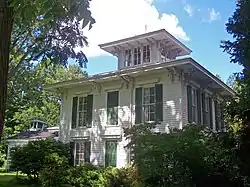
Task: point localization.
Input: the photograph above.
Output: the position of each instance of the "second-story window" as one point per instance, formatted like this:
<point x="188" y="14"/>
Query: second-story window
<point x="112" y="107"/>
<point x="128" y="58"/>
<point x="82" y="111"/>
<point x="146" y="54"/>
<point x="192" y="105"/>
<point x="137" y="56"/>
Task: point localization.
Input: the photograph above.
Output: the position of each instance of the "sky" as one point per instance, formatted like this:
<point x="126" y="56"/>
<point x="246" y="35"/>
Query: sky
<point x="199" y="24"/>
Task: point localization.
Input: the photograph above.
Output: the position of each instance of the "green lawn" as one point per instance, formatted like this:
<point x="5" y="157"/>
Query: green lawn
<point x="9" y="180"/>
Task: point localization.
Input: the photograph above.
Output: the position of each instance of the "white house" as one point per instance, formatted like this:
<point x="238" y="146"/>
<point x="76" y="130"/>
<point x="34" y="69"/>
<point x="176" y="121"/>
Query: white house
<point x="155" y="81"/>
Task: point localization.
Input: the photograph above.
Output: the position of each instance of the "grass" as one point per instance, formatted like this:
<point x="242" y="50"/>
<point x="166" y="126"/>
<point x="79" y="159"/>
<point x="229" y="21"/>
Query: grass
<point x="10" y="180"/>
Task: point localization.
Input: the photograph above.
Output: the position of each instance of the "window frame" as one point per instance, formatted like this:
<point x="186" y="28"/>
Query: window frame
<point x="148" y="104"/>
<point x="85" y="113"/>
<point x="107" y="114"/>
<point x="206" y="110"/>
<point x="194" y="104"/>
<point x="137" y="57"/>
<point x="105" y="151"/>
<point x="128" y="58"/>
<point x="146" y="54"/>
<point x="83" y="153"/>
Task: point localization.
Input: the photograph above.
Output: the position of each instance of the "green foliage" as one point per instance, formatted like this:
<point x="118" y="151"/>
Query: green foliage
<point x="194" y="156"/>
<point x="26" y="100"/>
<point x="54" y="171"/>
<point x="86" y="176"/>
<point x="30" y="159"/>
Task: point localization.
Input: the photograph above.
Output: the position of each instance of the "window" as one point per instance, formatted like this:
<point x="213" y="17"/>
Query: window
<point x="146" y="54"/>
<point x="148" y="104"/>
<point x="219" y="118"/>
<point x="192" y="104"/>
<point x="82" y="111"/>
<point x="110" y="153"/>
<point x="82" y="152"/>
<point x="137" y="56"/>
<point x="112" y="107"/>
<point x="206" y="109"/>
<point x="128" y="58"/>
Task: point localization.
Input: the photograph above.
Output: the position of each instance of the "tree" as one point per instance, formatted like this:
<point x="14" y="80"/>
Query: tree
<point x="26" y="100"/>
<point x="43" y="31"/>
<point x="239" y="50"/>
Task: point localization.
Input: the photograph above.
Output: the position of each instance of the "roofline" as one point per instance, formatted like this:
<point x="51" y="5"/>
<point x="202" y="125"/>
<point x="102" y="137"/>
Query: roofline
<point x="145" y="35"/>
<point x="212" y="76"/>
<point x="122" y="72"/>
<point x="129" y="71"/>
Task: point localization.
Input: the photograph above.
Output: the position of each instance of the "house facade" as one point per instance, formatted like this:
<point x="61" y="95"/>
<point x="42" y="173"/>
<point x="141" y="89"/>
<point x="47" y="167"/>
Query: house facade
<point x="156" y="81"/>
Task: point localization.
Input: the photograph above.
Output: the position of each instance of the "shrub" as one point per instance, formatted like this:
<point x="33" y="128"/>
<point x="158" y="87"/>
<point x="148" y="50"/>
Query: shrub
<point x="125" y="177"/>
<point x="30" y="158"/>
<point x="93" y="176"/>
<point x="86" y="175"/>
<point x="194" y="156"/>
<point x="54" y="172"/>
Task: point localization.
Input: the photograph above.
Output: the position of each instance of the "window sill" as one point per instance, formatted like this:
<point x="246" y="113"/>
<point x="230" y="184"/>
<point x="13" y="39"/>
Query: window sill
<point x="82" y="128"/>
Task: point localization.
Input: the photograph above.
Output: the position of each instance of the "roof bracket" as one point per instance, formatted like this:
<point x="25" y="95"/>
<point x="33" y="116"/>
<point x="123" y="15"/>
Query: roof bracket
<point x="97" y="86"/>
<point x="125" y="81"/>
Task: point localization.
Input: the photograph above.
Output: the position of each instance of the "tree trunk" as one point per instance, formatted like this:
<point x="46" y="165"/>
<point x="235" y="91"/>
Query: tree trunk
<point x="6" y="23"/>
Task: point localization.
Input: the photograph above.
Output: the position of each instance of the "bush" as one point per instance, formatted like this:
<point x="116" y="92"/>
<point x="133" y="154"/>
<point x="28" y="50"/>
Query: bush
<point x="86" y="175"/>
<point x="125" y="177"/>
<point x="93" y="176"/>
<point x="194" y="156"/>
<point x="54" y="172"/>
<point x="30" y="158"/>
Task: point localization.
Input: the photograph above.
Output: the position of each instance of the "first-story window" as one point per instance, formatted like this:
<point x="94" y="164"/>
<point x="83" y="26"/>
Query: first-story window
<point x="149" y="104"/>
<point x="82" y="152"/>
<point x="110" y="153"/>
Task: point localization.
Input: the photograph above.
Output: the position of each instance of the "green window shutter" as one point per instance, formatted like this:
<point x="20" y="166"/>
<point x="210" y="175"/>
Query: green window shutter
<point x="72" y="153"/>
<point x="112" y="107"/>
<point x="210" y="113"/>
<point x="159" y="102"/>
<point x="89" y="110"/>
<point x="138" y="105"/>
<point x="189" y="103"/>
<point x="204" y="120"/>
<point x="110" y="153"/>
<point x="199" y="105"/>
<point x="87" y="151"/>
<point x="74" y="113"/>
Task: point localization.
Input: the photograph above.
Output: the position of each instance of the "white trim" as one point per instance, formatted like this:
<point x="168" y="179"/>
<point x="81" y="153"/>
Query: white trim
<point x="147" y="82"/>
